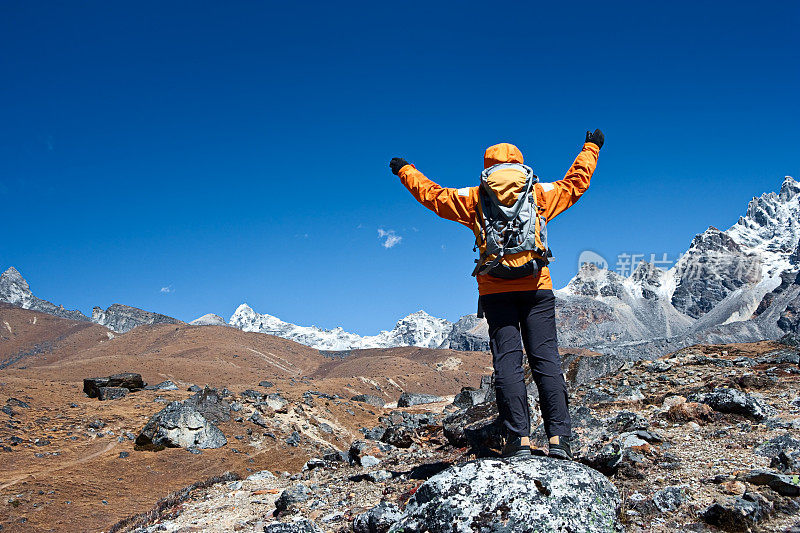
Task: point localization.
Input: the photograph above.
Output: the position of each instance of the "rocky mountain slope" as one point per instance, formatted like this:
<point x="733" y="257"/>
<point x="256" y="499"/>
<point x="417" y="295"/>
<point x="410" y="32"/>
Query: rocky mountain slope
<point x="15" y="290"/>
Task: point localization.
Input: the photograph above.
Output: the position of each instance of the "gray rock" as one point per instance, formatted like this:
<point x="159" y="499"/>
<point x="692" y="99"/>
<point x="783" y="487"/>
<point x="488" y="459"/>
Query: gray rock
<point x="375" y="433"/>
<point x="257" y="419"/>
<point x="111" y="393"/>
<point x="399" y="436"/>
<point x="536" y="494"/>
<point x="164" y="385"/>
<point x="774" y="446"/>
<point x="378" y="519"/>
<point x="370" y="399"/>
<point x="180" y="425"/>
<point x="780" y="483"/>
<point x="293" y="439"/>
<point x="738" y="514"/>
<point x="211" y="405"/>
<point x="734" y="401"/>
<point x="369" y="461"/>
<point x="378" y="475"/>
<point x="276" y="402"/>
<point x="469" y="397"/>
<point x="263" y="475"/>
<point x="296" y="494"/>
<point x="409" y="399"/>
<point x="266" y="384"/>
<point x="669" y="499"/>
<point x="302" y="525"/>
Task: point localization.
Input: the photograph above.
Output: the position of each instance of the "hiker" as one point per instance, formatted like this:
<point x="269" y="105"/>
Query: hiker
<point x="509" y="212"/>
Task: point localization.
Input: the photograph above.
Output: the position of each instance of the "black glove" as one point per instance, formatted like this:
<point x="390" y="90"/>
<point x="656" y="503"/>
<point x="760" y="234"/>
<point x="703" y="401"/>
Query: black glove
<point x="597" y="138"/>
<point x="396" y="164"/>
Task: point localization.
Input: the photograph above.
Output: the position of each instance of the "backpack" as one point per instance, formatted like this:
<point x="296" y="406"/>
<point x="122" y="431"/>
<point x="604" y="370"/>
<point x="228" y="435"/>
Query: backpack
<point x="502" y="230"/>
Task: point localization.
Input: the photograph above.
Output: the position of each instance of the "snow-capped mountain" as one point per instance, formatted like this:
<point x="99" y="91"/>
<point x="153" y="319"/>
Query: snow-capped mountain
<point x="723" y="289"/>
<point x="209" y="320"/>
<point x="417" y="329"/>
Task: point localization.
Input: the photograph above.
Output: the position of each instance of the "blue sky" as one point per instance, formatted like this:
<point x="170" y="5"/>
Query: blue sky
<point x="238" y="151"/>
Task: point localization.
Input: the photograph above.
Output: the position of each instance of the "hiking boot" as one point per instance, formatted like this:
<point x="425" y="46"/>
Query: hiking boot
<point x="515" y="448"/>
<point x="561" y="450"/>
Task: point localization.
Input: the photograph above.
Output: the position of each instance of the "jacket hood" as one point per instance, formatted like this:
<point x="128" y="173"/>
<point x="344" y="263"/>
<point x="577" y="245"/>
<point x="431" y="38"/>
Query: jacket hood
<point x="502" y="153"/>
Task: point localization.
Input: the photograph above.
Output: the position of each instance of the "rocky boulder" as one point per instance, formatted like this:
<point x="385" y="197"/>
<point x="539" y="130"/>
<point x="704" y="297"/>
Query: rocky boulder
<point x="408" y="399"/>
<point x="180" y="425"/>
<point x="375" y="401"/>
<point x="127" y="380"/>
<point x="211" y="405"/>
<point x="536" y="494"/>
<point x="734" y="401"/>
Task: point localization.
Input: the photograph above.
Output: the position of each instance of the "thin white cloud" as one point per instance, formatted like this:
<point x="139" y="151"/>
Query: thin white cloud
<point x="166" y="289"/>
<point x="390" y="237"/>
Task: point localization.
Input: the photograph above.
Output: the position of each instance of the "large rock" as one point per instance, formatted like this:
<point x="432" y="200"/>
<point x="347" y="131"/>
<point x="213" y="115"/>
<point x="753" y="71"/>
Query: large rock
<point x="127" y="380"/>
<point x="370" y="399"/>
<point x="378" y="519"/>
<point x="738" y="514"/>
<point x="408" y="399"/>
<point x="735" y="401"/>
<point x="211" y="405"/>
<point x="536" y="494"/>
<point x="180" y="425"/>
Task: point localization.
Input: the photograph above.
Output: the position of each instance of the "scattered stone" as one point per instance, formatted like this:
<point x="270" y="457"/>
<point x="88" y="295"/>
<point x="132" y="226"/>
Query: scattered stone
<point x="301" y="525"/>
<point x="111" y="393"/>
<point x="369" y="461"/>
<point x="508" y="495"/>
<point x="164" y="385"/>
<point x="409" y="399"/>
<point x="96" y="424"/>
<point x="276" y="402"/>
<point x="123" y="455"/>
<point x="263" y="475"/>
<point x="296" y="494"/>
<point x="399" y="436"/>
<point x="311" y="464"/>
<point x="180" y="425"/>
<point x="293" y="439"/>
<point x="17" y="403"/>
<point x="375" y="433"/>
<point x="378" y="519"/>
<point x="251" y="395"/>
<point x="194" y="388"/>
<point x="370" y="399"/>
<point x="266" y="384"/>
<point x="669" y="499"/>
<point x="378" y="476"/>
<point x="258" y="420"/>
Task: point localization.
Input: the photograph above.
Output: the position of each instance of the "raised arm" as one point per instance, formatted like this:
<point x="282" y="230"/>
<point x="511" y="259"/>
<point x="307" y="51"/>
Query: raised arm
<point x="560" y="195"/>
<point x="453" y="204"/>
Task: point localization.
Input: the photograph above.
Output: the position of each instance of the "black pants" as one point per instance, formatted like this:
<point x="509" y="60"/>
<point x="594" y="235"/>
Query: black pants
<point x="527" y="317"/>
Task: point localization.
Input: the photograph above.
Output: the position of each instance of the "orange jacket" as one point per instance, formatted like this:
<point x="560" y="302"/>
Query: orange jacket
<point x="459" y="205"/>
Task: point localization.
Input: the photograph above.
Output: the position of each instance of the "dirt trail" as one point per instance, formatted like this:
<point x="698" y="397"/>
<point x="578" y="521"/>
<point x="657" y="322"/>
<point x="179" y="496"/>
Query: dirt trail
<point x="11" y="482"/>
